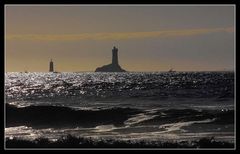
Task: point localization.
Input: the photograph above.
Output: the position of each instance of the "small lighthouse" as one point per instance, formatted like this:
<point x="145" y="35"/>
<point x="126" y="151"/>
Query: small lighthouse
<point x="115" y="56"/>
<point x="51" y="66"/>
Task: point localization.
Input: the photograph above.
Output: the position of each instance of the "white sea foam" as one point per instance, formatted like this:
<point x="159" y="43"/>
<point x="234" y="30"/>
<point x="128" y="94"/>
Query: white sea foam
<point x="178" y="126"/>
<point x="22" y="132"/>
<point x="139" y="118"/>
<point x="104" y="128"/>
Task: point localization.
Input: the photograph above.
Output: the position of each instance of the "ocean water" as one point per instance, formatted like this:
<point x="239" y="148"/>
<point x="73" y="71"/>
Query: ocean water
<point x="123" y="106"/>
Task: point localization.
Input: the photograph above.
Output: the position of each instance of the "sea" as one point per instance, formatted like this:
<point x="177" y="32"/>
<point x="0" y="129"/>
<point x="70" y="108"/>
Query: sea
<point x="159" y="106"/>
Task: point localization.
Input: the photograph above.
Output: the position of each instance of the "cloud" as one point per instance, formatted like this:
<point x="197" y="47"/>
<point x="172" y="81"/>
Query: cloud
<point x="118" y="35"/>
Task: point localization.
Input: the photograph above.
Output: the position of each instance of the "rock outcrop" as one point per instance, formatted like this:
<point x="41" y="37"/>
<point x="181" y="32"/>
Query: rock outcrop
<point x="110" y="68"/>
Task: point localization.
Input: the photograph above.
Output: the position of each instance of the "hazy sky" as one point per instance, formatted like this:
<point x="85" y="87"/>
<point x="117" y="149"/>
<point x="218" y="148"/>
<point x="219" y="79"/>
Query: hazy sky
<point x="149" y="38"/>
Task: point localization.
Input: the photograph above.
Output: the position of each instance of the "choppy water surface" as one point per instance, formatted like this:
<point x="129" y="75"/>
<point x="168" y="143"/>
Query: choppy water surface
<point x="154" y="106"/>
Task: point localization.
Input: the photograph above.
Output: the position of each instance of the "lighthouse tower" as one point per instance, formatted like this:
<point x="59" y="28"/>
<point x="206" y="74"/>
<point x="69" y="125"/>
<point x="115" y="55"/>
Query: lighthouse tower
<point x="51" y="66"/>
<point x="115" y="56"/>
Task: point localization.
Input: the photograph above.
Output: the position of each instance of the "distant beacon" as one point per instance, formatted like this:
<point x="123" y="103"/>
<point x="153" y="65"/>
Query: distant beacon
<point x="51" y="66"/>
<point x="115" y="56"/>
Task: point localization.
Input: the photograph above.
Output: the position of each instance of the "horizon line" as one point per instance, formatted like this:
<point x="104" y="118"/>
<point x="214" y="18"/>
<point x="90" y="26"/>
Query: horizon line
<point x="117" y="72"/>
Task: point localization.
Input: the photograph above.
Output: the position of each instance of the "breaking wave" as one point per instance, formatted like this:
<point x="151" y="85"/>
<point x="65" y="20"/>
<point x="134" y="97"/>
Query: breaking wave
<point x="56" y="116"/>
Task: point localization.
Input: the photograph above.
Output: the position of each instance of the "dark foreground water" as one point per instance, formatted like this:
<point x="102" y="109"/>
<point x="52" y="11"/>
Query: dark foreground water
<point x="121" y="106"/>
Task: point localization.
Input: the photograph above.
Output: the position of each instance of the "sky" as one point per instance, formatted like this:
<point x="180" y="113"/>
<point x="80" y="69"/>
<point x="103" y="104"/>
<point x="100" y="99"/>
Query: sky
<point x="148" y="38"/>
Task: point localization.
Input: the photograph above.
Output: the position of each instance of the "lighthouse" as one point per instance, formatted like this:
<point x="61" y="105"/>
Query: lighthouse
<point x="114" y="66"/>
<point x="115" y="56"/>
<point x="51" y="66"/>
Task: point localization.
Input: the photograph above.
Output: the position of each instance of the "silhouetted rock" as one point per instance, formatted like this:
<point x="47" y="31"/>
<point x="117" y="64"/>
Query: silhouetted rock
<point x="114" y="66"/>
<point x="110" y="68"/>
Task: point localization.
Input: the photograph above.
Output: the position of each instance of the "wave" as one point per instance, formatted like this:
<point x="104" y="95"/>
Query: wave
<point x="171" y="116"/>
<point x="57" y="116"/>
